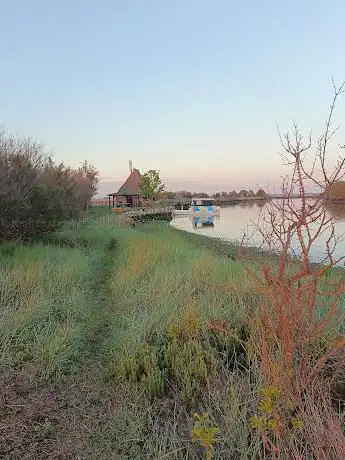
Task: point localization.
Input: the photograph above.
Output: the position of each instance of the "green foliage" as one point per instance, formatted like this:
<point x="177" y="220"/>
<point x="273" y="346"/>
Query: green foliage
<point x="191" y="365"/>
<point x="37" y="195"/>
<point x="151" y="184"/>
<point x="201" y="195"/>
<point x="276" y="414"/>
<point x="187" y="357"/>
<point x="144" y="367"/>
<point x="205" y="433"/>
<point x="78" y="306"/>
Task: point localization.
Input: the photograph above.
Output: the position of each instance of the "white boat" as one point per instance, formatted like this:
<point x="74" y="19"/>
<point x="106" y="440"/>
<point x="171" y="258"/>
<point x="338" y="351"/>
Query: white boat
<point x="199" y="206"/>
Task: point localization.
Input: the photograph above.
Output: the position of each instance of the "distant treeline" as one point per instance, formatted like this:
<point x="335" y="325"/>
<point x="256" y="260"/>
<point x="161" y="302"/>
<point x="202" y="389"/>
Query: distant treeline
<point x="218" y="195"/>
<point x="36" y="194"/>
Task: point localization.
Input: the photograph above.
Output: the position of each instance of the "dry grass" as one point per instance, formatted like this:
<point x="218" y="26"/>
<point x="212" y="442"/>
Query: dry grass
<point x="72" y="310"/>
<point x="110" y="348"/>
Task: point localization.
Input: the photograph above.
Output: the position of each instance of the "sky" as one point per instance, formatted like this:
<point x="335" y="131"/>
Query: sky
<point x="193" y="88"/>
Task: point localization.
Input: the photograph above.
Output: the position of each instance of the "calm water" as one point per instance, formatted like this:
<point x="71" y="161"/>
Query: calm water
<point x="236" y="219"/>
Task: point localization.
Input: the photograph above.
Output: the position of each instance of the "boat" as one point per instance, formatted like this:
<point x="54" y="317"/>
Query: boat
<point x="202" y="221"/>
<point x="199" y="206"/>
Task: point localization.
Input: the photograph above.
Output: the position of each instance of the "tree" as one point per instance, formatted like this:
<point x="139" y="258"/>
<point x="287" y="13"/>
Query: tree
<point x="335" y="191"/>
<point x="171" y="195"/>
<point x="162" y="196"/>
<point x="151" y="184"/>
<point x="184" y="194"/>
<point x="87" y="178"/>
<point x="90" y="175"/>
<point x="37" y="195"/>
<point x="302" y="304"/>
<point x="261" y="193"/>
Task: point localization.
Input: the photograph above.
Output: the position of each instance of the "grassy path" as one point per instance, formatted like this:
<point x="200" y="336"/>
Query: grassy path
<point x="54" y="312"/>
<point x="99" y="327"/>
<point x="107" y="346"/>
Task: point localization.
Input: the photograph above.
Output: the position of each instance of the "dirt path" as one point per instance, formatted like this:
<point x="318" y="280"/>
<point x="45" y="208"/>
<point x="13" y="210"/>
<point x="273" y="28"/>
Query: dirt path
<point x="66" y="419"/>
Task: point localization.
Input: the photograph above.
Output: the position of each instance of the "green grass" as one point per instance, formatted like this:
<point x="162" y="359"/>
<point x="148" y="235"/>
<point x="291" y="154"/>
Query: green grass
<point x="83" y="302"/>
<point x="109" y="332"/>
<point x="159" y="275"/>
<point x="47" y="293"/>
<point x="43" y="305"/>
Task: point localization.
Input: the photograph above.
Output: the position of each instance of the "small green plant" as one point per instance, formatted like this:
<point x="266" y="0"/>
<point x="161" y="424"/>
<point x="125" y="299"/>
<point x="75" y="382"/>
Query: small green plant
<point x="268" y="417"/>
<point x="276" y="419"/>
<point x="191" y="365"/>
<point x="43" y="430"/>
<point x="185" y="328"/>
<point x="184" y="358"/>
<point x="205" y="433"/>
<point x="144" y="367"/>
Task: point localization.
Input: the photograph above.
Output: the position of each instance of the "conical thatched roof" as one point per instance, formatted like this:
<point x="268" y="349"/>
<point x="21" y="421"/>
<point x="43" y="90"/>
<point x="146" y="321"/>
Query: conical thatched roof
<point x="131" y="186"/>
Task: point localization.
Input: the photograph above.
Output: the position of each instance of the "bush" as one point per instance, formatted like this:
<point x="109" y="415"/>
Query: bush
<point x="36" y="195"/>
<point x="186" y="359"/>
<point x="336" y="191"/>
<point x="261" y="193"/>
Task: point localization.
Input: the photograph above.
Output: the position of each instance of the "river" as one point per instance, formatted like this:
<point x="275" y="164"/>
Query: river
<point x="237" y="219"/>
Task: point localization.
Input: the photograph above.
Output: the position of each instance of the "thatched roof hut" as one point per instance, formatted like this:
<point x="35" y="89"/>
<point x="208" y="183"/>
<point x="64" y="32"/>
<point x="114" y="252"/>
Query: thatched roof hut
<point x="129" y="192"/>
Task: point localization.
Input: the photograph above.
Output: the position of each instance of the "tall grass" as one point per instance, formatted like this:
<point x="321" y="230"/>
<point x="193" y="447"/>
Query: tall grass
<point x="157" y="321"/>
<point x="97" y="295"/>
<point x="48" y="297"/>
<point x="43" y="304"/>
<point x="166" y="293"/>
<point x="159" y="275"/>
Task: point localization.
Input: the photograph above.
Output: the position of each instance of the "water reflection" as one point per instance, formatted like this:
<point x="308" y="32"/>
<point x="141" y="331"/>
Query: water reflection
<point x="236" y="220"/>
<point x="249" y="204"/>
<point x="203" y="221"/>
<point x="336" y="210"/>
<point x="261" y="204"/>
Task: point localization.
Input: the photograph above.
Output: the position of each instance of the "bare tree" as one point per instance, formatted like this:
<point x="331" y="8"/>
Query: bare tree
<point x="296" y="326"/>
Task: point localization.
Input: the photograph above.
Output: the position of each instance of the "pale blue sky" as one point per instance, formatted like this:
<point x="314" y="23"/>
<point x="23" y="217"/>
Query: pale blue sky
<point x="191" y="87"/>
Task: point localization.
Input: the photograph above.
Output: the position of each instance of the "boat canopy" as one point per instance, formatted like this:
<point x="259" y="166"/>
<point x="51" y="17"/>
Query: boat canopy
<point x="202" y="202"/>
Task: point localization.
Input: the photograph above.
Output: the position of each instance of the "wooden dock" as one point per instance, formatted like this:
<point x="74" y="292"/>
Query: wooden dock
<point x="150" y="214"/>
<point x="145" y="211"/>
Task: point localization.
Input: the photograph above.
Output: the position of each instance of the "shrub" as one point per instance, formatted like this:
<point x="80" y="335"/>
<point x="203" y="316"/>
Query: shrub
<point x="36" y="195"/>
<point x="205" y="433"/>
<point x="145" y="368"/>
<point x="335" y="191"/>
<point x="187" y="358"/>
<point x="296" y="330"/>
<point x="261" y="193"/>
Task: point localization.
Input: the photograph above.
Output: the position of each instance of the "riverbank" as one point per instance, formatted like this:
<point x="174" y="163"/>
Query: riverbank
<point x="111" y="338"/>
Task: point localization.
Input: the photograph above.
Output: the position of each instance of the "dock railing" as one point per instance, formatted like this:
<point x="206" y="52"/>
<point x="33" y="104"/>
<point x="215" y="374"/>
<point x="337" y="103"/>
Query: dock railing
<point x="149" y="210"/>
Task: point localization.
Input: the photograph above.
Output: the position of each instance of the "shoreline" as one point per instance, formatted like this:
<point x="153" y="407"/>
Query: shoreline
<point x="231" y="249"/>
